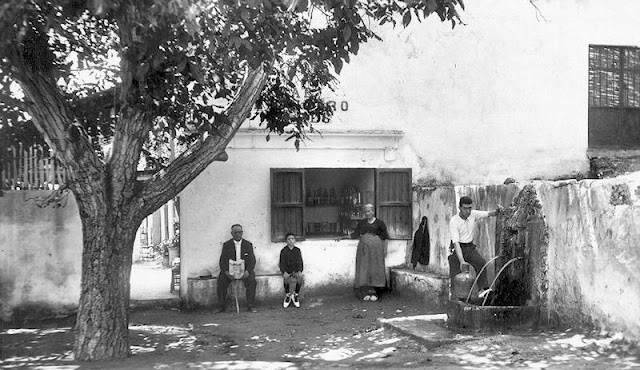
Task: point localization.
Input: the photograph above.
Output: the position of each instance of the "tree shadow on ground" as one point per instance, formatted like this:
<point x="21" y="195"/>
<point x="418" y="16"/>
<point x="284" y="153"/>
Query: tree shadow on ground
<point x="332" y="333"/>
<point x="543" y="350"/>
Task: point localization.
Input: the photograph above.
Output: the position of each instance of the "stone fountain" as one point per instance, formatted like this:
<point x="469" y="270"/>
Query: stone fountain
<point x="520" y="283"/>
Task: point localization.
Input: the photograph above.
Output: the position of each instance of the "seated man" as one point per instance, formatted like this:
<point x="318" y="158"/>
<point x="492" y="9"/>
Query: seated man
<point x="237" y="250"/>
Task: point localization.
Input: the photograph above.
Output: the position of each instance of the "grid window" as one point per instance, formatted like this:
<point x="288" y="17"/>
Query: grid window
<point x="614" y="76"/>
<point x="614" y="97"/>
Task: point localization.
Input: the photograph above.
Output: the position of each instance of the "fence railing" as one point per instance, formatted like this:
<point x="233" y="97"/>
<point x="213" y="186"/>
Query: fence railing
<point x="29" y="168"/>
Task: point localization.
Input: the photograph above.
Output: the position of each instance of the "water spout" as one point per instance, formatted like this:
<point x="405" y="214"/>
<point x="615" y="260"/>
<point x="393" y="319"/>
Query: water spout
<point x="478" y="275"/>
<point x="498" y="275"/>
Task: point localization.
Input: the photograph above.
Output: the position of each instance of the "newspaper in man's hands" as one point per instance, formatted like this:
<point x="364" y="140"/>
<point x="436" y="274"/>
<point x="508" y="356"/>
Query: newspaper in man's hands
<point x="236" y="268"/>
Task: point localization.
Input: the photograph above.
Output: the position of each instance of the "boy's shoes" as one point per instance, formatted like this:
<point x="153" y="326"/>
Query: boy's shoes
<point x="287" y="301"/>
<point x="374" y="298"/>
<point x="251" y="309"/>
<point x="296" y="301"/>
<point x="366" y="298"/>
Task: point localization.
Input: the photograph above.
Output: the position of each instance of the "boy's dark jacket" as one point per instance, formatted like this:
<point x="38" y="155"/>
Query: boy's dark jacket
<point x="291" y="260"/>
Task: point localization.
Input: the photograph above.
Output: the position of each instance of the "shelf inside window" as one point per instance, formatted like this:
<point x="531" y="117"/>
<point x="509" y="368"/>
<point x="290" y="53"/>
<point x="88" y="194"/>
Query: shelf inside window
<point x="323" y="235"/>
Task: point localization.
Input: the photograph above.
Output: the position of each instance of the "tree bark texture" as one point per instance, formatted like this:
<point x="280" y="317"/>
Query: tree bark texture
<point x="102" y="324"/>
<point x="109" y="223"/>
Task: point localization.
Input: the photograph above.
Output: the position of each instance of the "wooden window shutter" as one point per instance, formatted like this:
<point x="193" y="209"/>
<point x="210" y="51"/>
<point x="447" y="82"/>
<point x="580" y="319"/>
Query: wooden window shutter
<point x="287" y="199"/>
<point x="394" y="200"/>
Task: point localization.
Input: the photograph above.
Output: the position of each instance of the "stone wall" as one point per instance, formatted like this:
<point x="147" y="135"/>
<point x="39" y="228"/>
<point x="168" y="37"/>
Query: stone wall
<point x="40" y="256"/>
<point x="594" y="252"/>
<point x="612" y="163"/>
<point x="438" y="205"/>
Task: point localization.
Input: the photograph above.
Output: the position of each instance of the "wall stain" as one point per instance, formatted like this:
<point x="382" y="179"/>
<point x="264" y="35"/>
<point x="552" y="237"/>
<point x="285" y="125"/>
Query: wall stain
<point x="620" y="195"/>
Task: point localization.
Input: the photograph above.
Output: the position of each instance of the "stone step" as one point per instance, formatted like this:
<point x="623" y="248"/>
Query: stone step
<point x="428" y="330"/>
<point x="429" y="288"/>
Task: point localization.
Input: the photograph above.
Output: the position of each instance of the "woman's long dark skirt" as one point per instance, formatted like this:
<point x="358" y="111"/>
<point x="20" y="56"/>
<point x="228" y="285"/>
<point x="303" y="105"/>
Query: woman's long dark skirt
<point x="370" y="268"/>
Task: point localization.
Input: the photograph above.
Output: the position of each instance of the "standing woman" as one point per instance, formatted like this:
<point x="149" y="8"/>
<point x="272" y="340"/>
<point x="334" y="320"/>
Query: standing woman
<point x="370" y="268"/>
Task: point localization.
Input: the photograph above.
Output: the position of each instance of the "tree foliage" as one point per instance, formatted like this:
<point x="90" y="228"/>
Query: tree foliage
<point x="183" y="61"/>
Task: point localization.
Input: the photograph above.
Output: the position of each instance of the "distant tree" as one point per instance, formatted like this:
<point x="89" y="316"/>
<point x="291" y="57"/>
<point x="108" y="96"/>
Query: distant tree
<point x="108" y="82"/>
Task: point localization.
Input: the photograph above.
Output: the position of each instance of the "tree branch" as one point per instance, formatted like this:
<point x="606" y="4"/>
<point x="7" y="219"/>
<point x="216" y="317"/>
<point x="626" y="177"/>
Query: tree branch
<point x="539" y="14"/>
<point x="128" y="138"/>
<point x="53" y="117"/>
<point x="167" y="183"/>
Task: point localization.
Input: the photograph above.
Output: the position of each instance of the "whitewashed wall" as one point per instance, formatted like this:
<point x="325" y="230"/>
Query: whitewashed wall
<point x="505" y="95"/>
<point x="594" y="254"/>
<point x="40" y="255"/>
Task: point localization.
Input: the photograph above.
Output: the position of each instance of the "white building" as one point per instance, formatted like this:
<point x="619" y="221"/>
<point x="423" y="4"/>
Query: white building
<point x="506" y="95"/>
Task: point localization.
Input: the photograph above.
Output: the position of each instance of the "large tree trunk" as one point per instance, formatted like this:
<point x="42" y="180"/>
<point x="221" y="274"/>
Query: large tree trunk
<point x="109" y="224"/>
<point x="102" y="324"/>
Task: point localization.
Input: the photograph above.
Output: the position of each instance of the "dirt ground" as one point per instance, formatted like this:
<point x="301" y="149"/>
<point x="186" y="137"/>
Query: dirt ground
<point x="326" y="332"/>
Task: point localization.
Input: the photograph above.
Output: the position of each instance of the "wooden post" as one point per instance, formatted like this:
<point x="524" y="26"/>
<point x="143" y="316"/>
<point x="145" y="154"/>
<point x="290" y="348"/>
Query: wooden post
<point x="59" y="175"/>
<point x="41" y="172"/>
<point x="15" y="168"/>
<point x="32" y="168"/>
<point x="20" y="180"/>
<point x="235" y="294"/>
<point x="5" y="167"/>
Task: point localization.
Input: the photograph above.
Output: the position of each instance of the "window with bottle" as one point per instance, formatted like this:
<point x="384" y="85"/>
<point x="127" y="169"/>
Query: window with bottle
<point x="316" y="203"/>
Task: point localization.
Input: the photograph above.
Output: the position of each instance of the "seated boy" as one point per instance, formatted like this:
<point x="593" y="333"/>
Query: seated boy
<point x="291" y="268"/>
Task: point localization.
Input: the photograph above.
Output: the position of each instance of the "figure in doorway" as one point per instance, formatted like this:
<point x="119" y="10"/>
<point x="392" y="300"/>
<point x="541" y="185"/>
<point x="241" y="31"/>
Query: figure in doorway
<point x="291" y="267"/>
<point x="237" y="252"/>
<point x="463" y="250"/>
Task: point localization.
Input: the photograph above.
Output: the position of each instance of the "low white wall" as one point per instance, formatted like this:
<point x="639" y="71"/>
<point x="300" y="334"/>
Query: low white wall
<point x="40" y="254"/>
<point x="592" y="273"/>
<point x="594" y="253"/>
